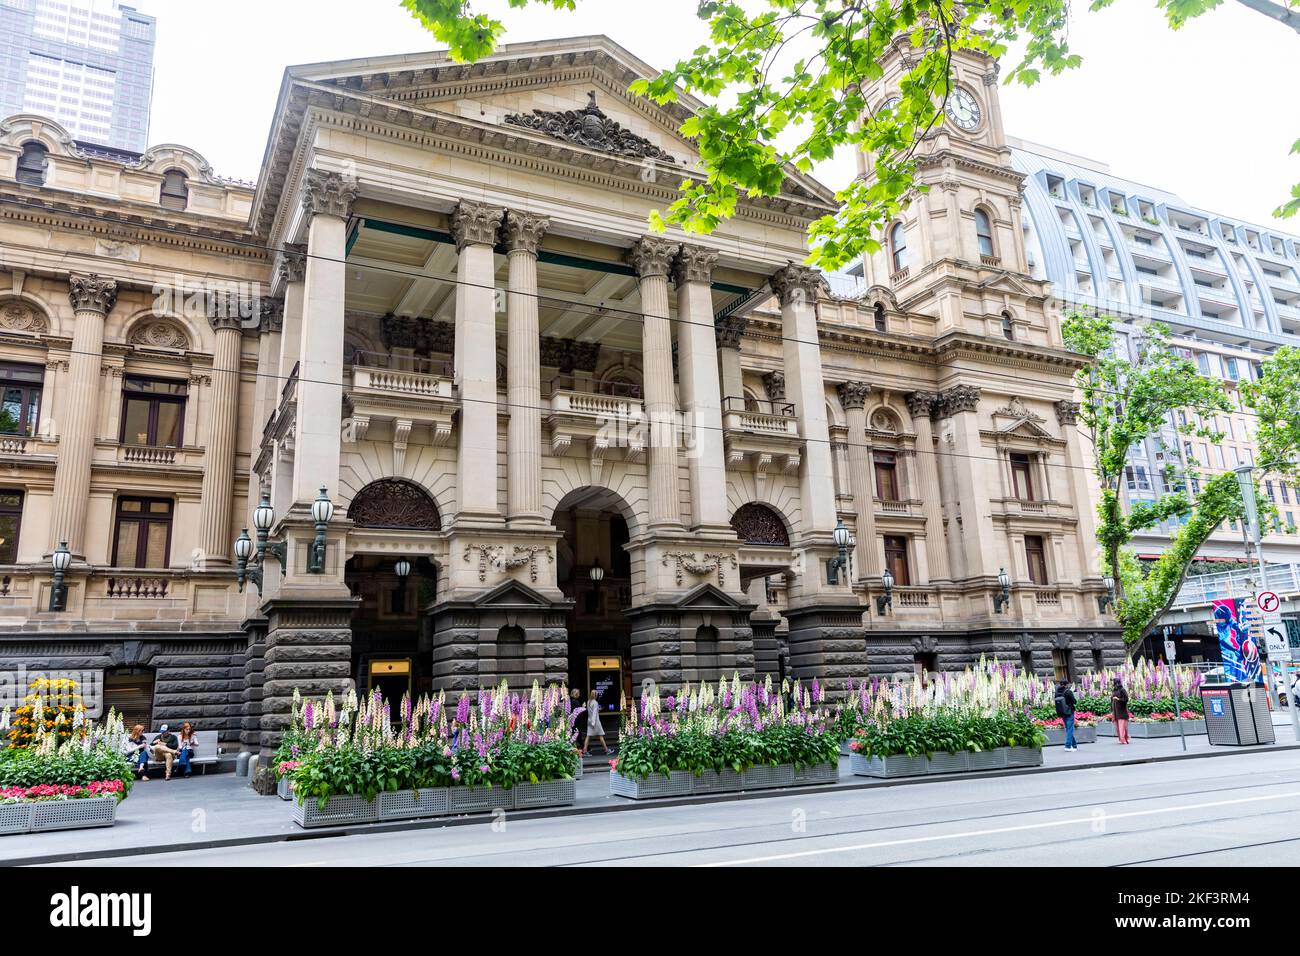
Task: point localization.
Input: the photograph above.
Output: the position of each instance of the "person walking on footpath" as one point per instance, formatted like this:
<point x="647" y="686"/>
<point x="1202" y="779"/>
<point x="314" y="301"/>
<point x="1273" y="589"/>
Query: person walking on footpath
<point x="578" y="718"/>
<point x="594" y="728"/>
<point x="1065" y="705"/>
<point x="1119" y="710"/>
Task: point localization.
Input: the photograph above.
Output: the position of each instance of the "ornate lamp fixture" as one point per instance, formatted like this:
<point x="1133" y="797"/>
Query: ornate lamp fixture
<point x="263" y="520"/>
<point x="887" y="599"/>
<point x="402" y="568"/>
<point x="1108" y="599"/>
<point x="597" y="572"/>
<point x="841" y="537"/>
<point x="1002" y="599"/>
<point x="59" y="562"/>
<point x="322" y="509"/>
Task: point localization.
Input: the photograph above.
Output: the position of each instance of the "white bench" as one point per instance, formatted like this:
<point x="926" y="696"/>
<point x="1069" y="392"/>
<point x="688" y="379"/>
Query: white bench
<point x="205" y="753"/>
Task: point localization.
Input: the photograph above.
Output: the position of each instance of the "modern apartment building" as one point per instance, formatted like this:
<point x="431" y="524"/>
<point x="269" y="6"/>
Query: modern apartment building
<point x="1228" y="290"/>
<point x="86" y="63"/>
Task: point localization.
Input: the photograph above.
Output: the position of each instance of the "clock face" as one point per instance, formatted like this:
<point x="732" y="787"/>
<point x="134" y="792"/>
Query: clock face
<point x="963" y="109"/>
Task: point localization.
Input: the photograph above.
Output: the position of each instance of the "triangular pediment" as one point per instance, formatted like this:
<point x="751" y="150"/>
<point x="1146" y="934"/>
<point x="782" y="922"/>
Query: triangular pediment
<point x="512" y="594"/>
<point x="708" y="596"/>
<point x="539" y="91"/>
<point x="1025" y="428"/>
<point x="1008" y="282"/>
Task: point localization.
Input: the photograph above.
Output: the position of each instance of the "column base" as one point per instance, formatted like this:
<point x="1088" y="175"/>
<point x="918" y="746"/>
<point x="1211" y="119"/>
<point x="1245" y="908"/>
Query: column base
<point x="308" y="649"/>
<point x="670" y="646"/>
<point x="510" y="632"/>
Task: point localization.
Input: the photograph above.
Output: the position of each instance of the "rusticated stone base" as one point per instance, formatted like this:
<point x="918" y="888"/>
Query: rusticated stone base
<point x="702" y="636"/>
<point x="767" y="648"/>
<point x="828" y="642"/>
<point x="895" y="652"/>
<point x="309" y="649"/>
<point x="250" y="732"/>
<point x="511" y="632"/>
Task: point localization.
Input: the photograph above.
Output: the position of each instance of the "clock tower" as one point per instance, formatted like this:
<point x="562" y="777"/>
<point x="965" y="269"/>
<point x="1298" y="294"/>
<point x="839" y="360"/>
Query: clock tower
<point x="957" y="251"/>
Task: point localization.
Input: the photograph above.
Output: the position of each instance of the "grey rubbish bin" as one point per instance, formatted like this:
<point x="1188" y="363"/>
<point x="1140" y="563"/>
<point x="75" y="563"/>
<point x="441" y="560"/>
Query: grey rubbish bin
<point x="1237" y="715"/>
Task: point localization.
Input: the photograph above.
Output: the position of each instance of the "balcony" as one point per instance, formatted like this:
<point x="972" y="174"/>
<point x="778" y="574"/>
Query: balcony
<point x="28" y="449"/>
<point x="406" y="391"/>
<point x="761" y="435"/>
<point x="594" y="423"/>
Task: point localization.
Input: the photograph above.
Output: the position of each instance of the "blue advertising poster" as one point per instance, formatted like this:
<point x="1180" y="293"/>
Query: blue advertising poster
<point x="1241" y="660"/>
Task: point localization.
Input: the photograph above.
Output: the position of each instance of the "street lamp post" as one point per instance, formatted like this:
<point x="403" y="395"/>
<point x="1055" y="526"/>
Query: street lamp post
<point x="887" y="599"/>
<point x="1107" y="600"/>
<point x="60" y="560"/>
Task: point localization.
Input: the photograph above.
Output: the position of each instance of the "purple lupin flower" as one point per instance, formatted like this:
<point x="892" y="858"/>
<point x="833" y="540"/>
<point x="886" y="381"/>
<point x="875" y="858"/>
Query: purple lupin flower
<point x="462" y="710"/>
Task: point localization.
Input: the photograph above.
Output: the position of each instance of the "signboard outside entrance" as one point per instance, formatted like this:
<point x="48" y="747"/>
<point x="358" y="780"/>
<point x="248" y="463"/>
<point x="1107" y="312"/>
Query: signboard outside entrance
<point x="605" y="680"/>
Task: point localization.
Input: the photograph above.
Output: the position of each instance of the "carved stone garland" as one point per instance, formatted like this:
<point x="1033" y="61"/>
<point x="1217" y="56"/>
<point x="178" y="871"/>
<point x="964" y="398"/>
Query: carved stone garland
<point x="494" y="555"/>
<point x="687" y="562"/>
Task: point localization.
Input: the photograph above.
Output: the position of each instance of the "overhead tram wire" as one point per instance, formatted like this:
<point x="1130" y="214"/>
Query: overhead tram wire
<point x="600" y="310"/>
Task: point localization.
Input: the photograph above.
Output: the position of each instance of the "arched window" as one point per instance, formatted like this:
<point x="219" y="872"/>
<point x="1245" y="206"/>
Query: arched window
<point x="898" y="246"/>
<point x="33" y="161"/>
<point x="984" y="232"/>
<point x="758" y="524"/>
<point x="394" y="503"/>
<point x="1008" y="329"/>
<point x="881" y="324"/>
<point x="175" y="193"/>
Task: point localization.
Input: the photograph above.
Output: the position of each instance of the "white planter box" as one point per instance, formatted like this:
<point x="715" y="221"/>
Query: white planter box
<point x="284" y="788"/>
<point x="681" y="783"/>
<point x="1158" y="728"/>
<point x="433" y="802"/>
<point x="1082" y="735"/>
<point x="939" y="763"/>
<point x="42" y="816"/>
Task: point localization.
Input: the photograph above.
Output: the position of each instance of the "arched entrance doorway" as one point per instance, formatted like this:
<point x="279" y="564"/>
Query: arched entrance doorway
<point x="391" y="643"/>
<point x="764" y="559"/>
<point x="594" y="570"/>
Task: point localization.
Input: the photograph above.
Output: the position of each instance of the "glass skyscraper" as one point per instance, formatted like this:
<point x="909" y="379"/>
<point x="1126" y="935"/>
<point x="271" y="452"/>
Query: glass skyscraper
<point x="88" y="64"/>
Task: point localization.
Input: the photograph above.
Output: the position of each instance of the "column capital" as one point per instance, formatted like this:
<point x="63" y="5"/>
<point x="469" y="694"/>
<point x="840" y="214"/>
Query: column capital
<point x="959" y="398"/>
<point x="853" y="394"/>
<point x="729" y="330"/>
<point x="652" y="256"/>
<point x="694" y="264"/>
<point x="328" y="194"/>
<point x="292" y="266"/>
<point x="92" y="293"/>
<point x="1067" y="412"/>
<point x="271" y="320"/>
<point x="524" y="231"/>
<point x="795" y="284"/>
<point x="922" y="404"/>
<point x="476" y="224"/>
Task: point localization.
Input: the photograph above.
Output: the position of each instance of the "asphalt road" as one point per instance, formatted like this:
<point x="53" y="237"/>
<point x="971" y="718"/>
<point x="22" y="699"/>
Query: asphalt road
<point x="1233" y="811"/>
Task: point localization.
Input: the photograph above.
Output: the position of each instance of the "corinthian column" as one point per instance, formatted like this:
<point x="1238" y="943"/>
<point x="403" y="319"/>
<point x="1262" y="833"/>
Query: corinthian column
<point x="327" y="199"/>
<point x="796" y="288"/>
<point x="921" y="405"/>
<point x="475" y="227"/>
<point x="959" y="406"/>
<point x="215" y="536"/>
<point x="701" y="394"/>
<point x="523" y="369"/>
<point x="92" y="299"/>
<point x="853" y="396"/>
<point x="652" y="259"/>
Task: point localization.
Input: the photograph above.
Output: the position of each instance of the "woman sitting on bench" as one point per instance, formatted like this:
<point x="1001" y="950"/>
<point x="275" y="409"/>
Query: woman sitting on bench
<point x="189" y="743"/>
<point x="137" y="751"/>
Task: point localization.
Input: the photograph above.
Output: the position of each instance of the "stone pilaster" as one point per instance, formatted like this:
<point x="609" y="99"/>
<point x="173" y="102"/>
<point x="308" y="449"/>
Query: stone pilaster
<point x="92" y="298"/>
<point x="215" y="535"/>
<point x="853" y="398"/>
<point x="652" y="258"/>
<point x="327" y="199"/>
<point x="523" y="369"/>
<point x="1081" y="474"/>
<point x="475" y="227"/>
<point x="957" y="408"/>
<point x="701" y="392"/>
<point x="729" y="330"/>
<point x="921" y="406"/>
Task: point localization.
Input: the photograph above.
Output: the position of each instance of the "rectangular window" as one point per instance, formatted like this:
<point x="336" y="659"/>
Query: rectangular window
<point x="1036" y="559"/>
<point x="1022" y="477"/>
<point x="1230" y="368"/>
<point x="886" y="476"/>
<point x="142" y="536"/>
<point x="896" y="560"/>
<point x="20" y="398"/>
<point x="11" y="519"/>
<point x="153" y="412"/>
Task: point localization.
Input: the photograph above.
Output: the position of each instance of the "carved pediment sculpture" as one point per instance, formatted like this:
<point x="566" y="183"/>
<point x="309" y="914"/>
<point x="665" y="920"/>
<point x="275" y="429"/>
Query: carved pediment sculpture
<point x="591" y="128"/>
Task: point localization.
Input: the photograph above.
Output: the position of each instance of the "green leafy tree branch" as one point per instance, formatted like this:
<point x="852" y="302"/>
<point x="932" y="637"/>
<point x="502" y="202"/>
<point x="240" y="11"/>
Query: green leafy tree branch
<point x="782" y="84"/>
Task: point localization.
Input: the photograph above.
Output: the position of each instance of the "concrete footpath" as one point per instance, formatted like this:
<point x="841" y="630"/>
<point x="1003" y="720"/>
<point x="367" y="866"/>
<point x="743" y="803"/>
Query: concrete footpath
<point x="222" y="811"/>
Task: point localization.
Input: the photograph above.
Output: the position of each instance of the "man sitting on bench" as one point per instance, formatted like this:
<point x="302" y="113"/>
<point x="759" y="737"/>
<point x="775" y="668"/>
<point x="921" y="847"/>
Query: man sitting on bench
<point x="165" y="748"/>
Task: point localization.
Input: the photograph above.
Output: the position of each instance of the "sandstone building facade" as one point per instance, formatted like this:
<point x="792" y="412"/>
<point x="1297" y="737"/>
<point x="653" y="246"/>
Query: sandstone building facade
<point x="557" y="446"/>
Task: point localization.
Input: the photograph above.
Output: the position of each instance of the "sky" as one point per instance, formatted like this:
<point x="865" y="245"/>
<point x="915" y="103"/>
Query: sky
<point x="1208" y="112"/>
